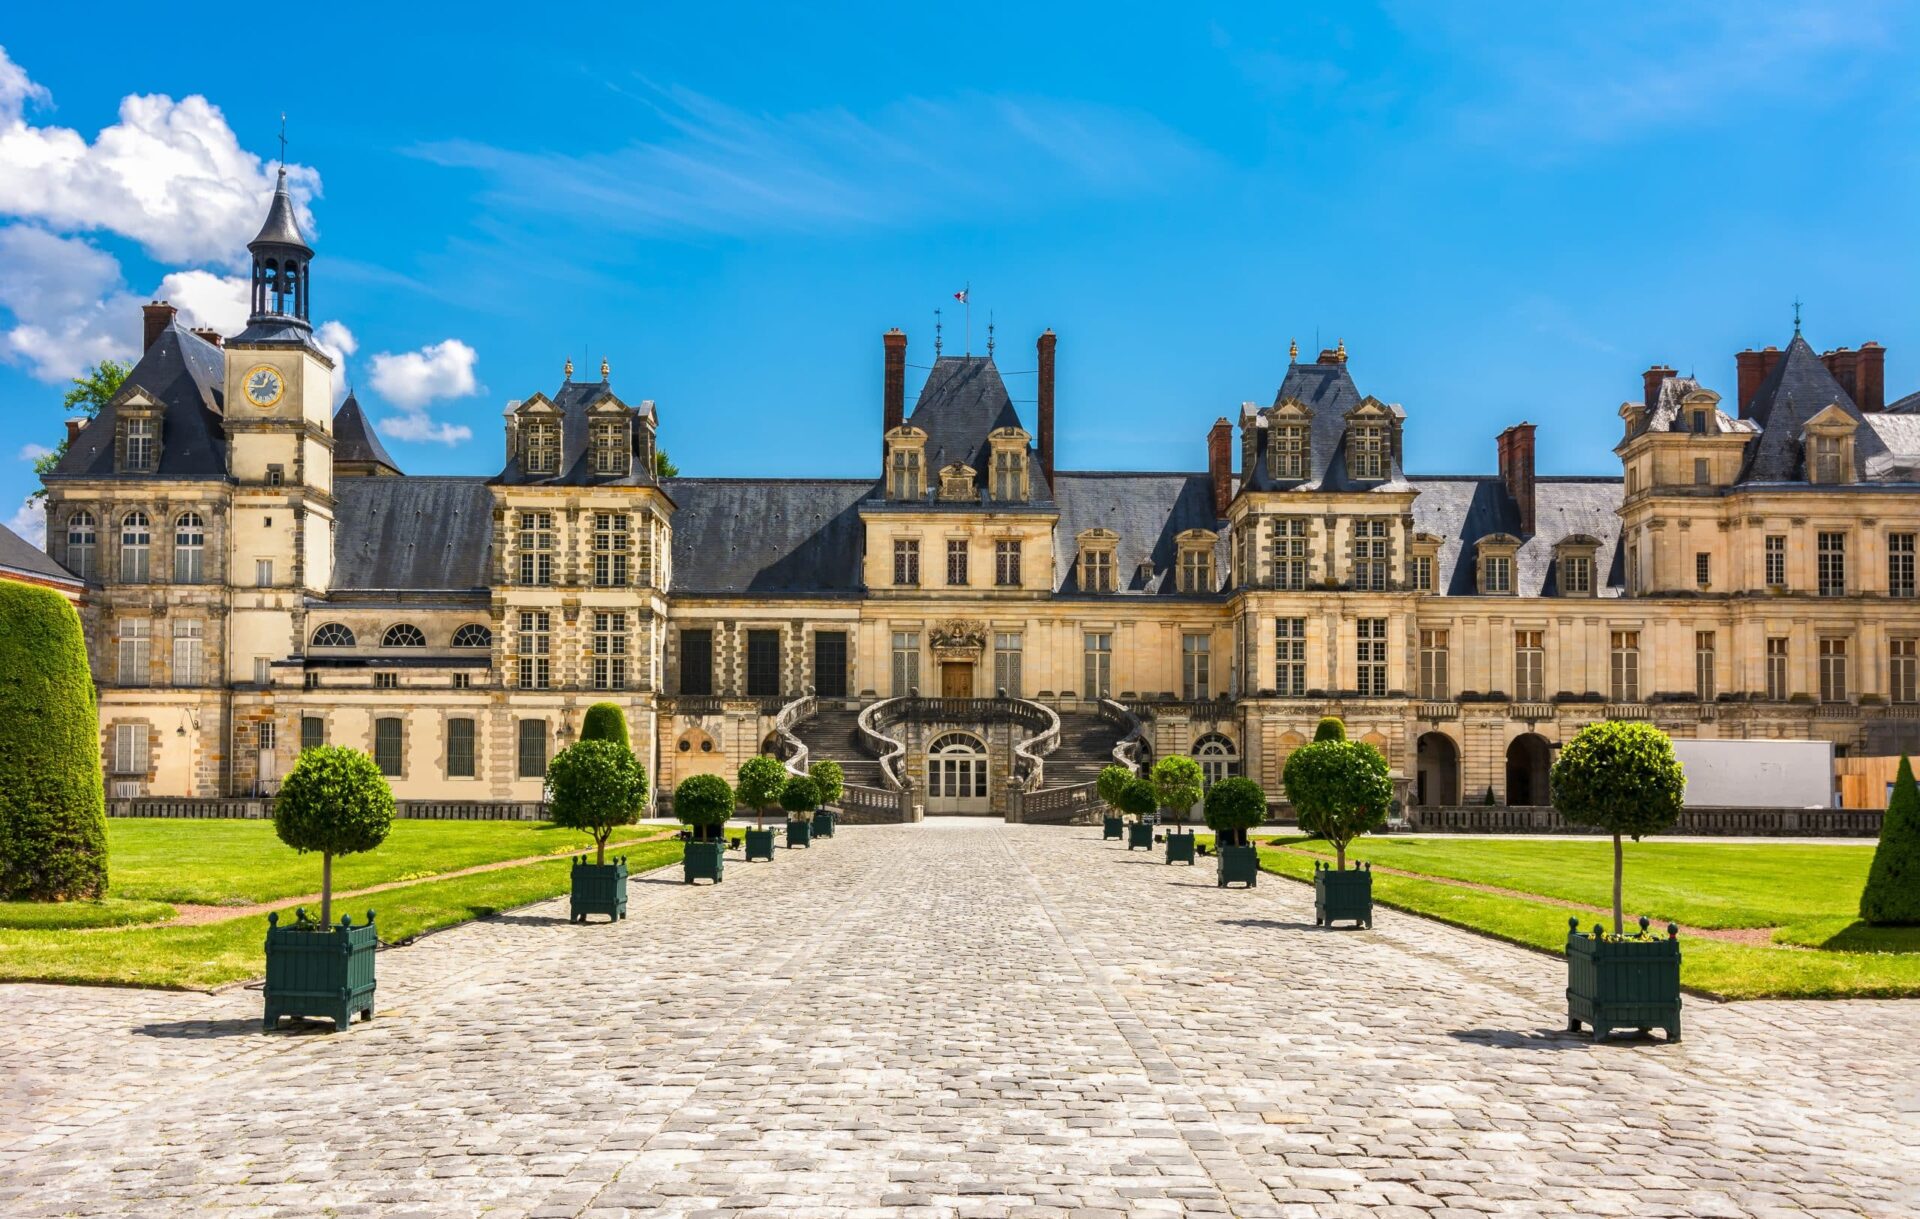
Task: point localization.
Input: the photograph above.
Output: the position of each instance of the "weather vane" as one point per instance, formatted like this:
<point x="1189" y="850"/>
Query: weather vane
<point x="936" y="334"/>
<point x="1796" y="315"/>
<point x="989" y="332"/>
<point x="283" y="139"/>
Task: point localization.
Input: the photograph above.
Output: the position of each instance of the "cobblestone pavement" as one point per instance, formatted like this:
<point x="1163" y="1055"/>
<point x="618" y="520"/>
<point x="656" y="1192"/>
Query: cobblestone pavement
<point x="953" y="1019"/>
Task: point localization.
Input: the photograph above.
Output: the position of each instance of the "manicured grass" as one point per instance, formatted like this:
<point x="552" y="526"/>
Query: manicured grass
<point x="109" y="912"/>
<point x="234" y="949"/>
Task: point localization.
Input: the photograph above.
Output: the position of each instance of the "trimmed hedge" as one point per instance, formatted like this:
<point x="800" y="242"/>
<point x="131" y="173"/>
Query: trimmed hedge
<point x="1892" y="895"/>
<point x="606" y="722"/>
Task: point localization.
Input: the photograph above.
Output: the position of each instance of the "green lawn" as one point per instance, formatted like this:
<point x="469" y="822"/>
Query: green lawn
<point x="109" y="912"/>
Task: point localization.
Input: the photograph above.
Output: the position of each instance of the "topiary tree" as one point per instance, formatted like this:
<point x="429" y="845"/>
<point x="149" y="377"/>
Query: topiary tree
<point x="703" y="802"/>
<point x="1234" y="806"/>
<point x="334" y="801"/>
<point x="1177" y="784"/>
<point x="1136" y="797"/>
<point x="596" y="786"/>
<point x="53" y="812"/>
<point x="1892" y="895"/>
<point x="606" y="722"/>
<point x="800" y="796"/>
<point x="1622" y="777"/>
<point x="1339" y="789"/>
<point x="830" y="779"/>
<point x="1330" y="728"/>
<point x="759" y="784"/>
<point x="1107" y="786"/>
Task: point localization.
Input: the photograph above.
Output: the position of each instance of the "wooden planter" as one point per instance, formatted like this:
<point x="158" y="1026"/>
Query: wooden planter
<point x="1238" y="865"/>
<point x="822" y="823"/>
<point x="705" y="861"/>
<point x="1342" y="894"/>
<point x="1632" y="983"/>
<point x="1180" y="847"/>
<point x="1112" y="827"/>
<point x="1139" y="834"/>
<point x="799" y="834"/>
<point x="760" y="845"/>
<point x="599" y="888"/>
<point x="319" y="971"/>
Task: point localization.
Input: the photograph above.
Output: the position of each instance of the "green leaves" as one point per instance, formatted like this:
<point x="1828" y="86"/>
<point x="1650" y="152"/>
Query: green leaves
<point x="53" y="826"/>
<point x="1112" y="779"/>
<point x="96" y="387"/>
<point x="1177" y="783"/>
<point x="800" y="796"/>
<point x="596" y="785"/>
<point x="606" y="722"/>
<point x="829" y="778"/>
<point x="761" y="778"/>
<point x="703" y="800"/>
<point x="335" y="801"/>
<point x="1136" y="797"/>
<point x="1620" y="776"/>
<point x="1330" y="728"/>
<point x="1234" y="806"/>
<point x="1892" y="893"/>
<point x="1339" y="789"/>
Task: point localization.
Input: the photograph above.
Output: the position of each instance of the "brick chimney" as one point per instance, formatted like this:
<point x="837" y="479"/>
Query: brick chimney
<point x="211" y="335"/>
<point x="1871" y="376"/>
<point x="1843" y="364"/>
<point x="74" y="428"/>
<point x="1653" y="377"/>
<point x="1044" y="396"/>
<point x="158" y="316"/>
<point x="1516" y="469"/>
<point x="1220" y="464"/>
<point x="894" y="396"/>
<point x="1755" y="367"/>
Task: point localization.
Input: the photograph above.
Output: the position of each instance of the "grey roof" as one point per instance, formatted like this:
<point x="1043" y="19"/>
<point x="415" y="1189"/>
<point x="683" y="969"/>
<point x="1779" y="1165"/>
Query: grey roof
<point x="1671" y="414"/>
<point x="962" y="401"/>
<point x="354" y="438"/>
<point x="282" y="226"/>
<point x="1799" y="388"/>
<point x="412" y="534"/>
<point x="738" y="535"/>
<point x="1462" y="509"/>
<point x="1327" y="390"/>
<point x="574" y="400"/>
<point x="1899" y="458"/>
<point x="1909" y="405"/>
<point x="21" y="556"/>
<point x="186" y="375"/>
<point x="1147" y="511"/>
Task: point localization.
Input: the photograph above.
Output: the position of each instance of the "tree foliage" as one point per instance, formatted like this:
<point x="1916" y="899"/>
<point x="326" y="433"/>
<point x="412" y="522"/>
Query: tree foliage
<point x="1136" y="797"/>
<point x="1177" y="784"/>
<point x="91" y="391"/>
<point x="1234" y="806"/>
<point x="596" y="786"/>
<point x="1339" y="790"/>
<point x="1330" y="728"/>
<point x="335" y="801"/>
<point x="758" y="786"/>
<point x="1892" y="895"/>
<point x="606" y="722"/>
<point x="663" y="466"/>
<point x="53" y="827"/>
<point x="800" y="796"/>
<point x="1622" y="777"/>
<point x="830" y="779"/>
<point x="1112" y="779"/>
<point x="704" y="802"/>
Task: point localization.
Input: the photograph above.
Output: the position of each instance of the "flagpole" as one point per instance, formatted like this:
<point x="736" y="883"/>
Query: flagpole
<point x="969" y="304"/>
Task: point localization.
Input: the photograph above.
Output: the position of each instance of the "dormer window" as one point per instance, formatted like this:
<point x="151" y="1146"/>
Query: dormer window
<point x="1826" y="459"/>
<point x="1287" y="452"/>
<point x="906" y="464"/>
<point x="1096" y="559"/>
<point x="1573" y="565"/>
<point x="1422" y="559"/>
<point x="610" y="447"/>
<point x="1828" y="442"/>
<point x="1496" y="561"/>
<point x="956" y="484"/>
<point x="1009" y="470"/>
<point x="543" y="447"/>
<point x="1367" y="451"/>
<point x="1195" y="572"/>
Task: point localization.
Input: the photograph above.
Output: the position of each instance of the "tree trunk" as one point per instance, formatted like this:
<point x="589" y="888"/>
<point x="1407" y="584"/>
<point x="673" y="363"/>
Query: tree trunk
<point x="600" y="847"/>
<point x="326" y="889"/>
<point x="1340" y="854"/>
<point x="1618" y="861"/>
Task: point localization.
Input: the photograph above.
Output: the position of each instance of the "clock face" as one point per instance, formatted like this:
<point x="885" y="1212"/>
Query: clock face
<point x="264" y="386"/>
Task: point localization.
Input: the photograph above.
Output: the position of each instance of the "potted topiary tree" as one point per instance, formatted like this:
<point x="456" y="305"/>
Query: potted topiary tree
<point x="799" y="795"/>
<point x="1177" y="784"/>
<point x="832" y="784"/>
<point x="1107" y="787"/>
<point x="334" y="801"/>
<point x="1339" y="789"/>
<point x="1137" y="801"/>
<point x="757" y="787"/>
<point x="703" y="803"/>
<point x="1621" y="776"/>
<point x="596" y="786"/>
<point x="1892" y="895"/>
<point x="1234" y="806"/>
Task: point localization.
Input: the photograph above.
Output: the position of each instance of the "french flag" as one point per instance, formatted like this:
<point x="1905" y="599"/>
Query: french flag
<point x="961" y="296"/>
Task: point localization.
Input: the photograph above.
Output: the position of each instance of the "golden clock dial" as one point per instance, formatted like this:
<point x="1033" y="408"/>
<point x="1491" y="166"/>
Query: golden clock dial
<point x="264" y="386"/>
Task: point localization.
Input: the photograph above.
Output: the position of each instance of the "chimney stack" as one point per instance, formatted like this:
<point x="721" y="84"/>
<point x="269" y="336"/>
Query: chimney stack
<point x="1653" y="377"/>
<point x="1516" y="469"/>
<point x="158" y="316"/>
<point x="1044" y="397"/>
<point x="1749" y="363"/>
<point x="1844" y="365"/>
<point x="1220" y="464"/>
<point x="894" y="396"/>
<point x="211" y="335"/>
<point x="1871" y="376"/>
<point x="74" y="428"/>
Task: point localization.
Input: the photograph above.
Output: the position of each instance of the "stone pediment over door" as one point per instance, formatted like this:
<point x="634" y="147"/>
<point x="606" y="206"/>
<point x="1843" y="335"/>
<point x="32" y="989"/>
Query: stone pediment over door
<point x="959" y="640"/>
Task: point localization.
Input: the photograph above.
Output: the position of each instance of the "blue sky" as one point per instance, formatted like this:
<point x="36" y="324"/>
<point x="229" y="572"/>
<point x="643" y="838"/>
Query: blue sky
<point x="1506" y="212"/>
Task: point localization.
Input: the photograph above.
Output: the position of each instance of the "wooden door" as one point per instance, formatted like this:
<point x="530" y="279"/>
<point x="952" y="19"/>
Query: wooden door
<point x="956" y="680"/>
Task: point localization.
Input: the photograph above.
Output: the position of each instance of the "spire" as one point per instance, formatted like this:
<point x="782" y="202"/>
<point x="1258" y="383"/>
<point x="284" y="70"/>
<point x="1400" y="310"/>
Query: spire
<point x="357" y="451"/>
<point x="282" y="227"/>
<point x="281" y="257"/>
<point x="605" y="369"/>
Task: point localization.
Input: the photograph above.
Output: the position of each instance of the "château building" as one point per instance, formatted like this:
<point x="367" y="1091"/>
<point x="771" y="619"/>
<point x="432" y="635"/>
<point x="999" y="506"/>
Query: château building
<point x="260" y="576"/>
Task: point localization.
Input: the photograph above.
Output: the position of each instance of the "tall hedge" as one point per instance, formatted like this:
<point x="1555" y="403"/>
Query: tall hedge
<point x="53" y="810"/>
<point x="606" y="722"/>
<point x="1892" y="895"/>
<point x="1330" y="728"/>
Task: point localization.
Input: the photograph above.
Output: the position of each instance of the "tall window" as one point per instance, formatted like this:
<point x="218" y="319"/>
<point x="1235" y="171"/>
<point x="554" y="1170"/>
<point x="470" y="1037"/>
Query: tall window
<point x="609" y="650"/>
<point x="904" y="473"/>
<point x="189" y="652"/>
<point x="543" y="448"/>
<point x="130" y="749"/>
<point x="533" y="749"/>
<point x="1006" y="564"/>
<point x="83" y="544"/>
<point x="763" y="664"/>
<point x="1831" y="555"/>
<point x="1420" y="570"/>
<point x="1833" y="670"/>
<point x="263" y="573"/>
<point x="906" y="663"/>
<point x="1290" y="553"/>
<point x="1367" y="446"/>
<point x="1370" y="555"/>
<point x="1096" y="571"/>
<point x="1703" y="666"/>
<point x="1097" y="655"/>
<point x="609" y="453"/>
<point x="1196" y="570"/>
<point x="1529" y="666"/>
<point x="1009" y="474"/>
<point x="1626" y="666"/>
<point x="1899" y="565"/>
<point x="460" y="759"/>
<point x="189" y="549"/>
<point x="1776" y="552"/>
<point x="1777" y="668"/>
<point x="1576" y="575"/>
<point x="1702" y="472"/>
<point x="1196" y="667"/>
<point x="1902" y="671"/>
<point x="535" y="646"/>
<point x="135" y="661"/>
<point x="830" y="664"/>
<point x="1826" y="460"/>
<point x="696" y="663"/>
<point x="536" y="547"/>
<point x="1634" y="581"/>
<point x="388" y="741"/>
<point x="1496" y="574"/>
<point x="313" y="732"/>
<point x="136" y="547"/>
<point x="1288" y="456"/>
<point x="1007" y="649"/>
<point x="1433" y="665"/>
<point x="140" y="434"/>
<point x="906" y="561"/>
<point x="1702" y="568"/>
<point x="1290" y="657"/>
<point x="612" y="549"/>
<point x="956" y="562"/>
<point x="1370" y="656"/>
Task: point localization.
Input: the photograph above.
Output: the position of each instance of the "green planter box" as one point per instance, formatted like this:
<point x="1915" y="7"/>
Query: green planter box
<point x="705" y="861"/>
<point x="822" y="823"/>
<point x="319" y="971"/>
<point x="759" y="845"/>
<point x="1179" y="847"/>
<point x="599" y="888"/>
<point x="1112" y="827"/>
<point x="1623" y="984"/>
<point x="1238" y="865"/>
<point x="799" y="834"/>
<point x="1139" y="834"/>
<point x="1342" y="894"/>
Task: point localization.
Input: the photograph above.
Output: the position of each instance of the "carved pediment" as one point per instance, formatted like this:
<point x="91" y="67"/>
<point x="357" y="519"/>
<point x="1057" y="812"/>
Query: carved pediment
<point x="956" y="482"/>
<point x="958" y="639"/>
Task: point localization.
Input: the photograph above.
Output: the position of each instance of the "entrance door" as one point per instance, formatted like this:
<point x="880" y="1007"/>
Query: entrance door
<point x="957" y="775"/>
<point x="956" y="680"/>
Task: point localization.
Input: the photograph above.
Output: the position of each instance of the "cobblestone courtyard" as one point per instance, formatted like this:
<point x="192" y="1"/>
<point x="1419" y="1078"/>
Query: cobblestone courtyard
<point x="953" y="1019"/>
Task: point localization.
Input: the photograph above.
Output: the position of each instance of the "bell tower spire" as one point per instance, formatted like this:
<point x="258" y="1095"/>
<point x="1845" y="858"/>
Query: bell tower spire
<point x="281" y="257"/>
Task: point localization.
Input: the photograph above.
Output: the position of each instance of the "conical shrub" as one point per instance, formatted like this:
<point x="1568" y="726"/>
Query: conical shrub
<point x="1892" y="895"/>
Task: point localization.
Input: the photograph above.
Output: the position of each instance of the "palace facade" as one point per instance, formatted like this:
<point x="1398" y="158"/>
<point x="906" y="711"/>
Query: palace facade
<point x="261" y="576"/>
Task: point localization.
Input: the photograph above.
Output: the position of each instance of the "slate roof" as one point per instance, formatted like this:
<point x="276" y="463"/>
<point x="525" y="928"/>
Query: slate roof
<point x="282" y="226"/>
<point x="1909" y="405"/>
<point x="354" y="438"/>
<point x="1899" y="457"/>
<point x="1462" y="509"/>
<point x="19" y="556"/>
<point x="1670" y="412"/>
<point x="1799" y="388"/>
<point x="962" y="401"/>
<point x="186" y="375"/>
<point x="742" y="535"/>
<point x="1327" y="390"/>
<point x="1147" y="511"/>
<point x="574" y="400"/>
<point x="417" y="533"/>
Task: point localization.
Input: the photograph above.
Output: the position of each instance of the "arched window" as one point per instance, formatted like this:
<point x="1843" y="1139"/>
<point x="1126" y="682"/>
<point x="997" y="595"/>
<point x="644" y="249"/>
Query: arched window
<point x="136" y="546"/>
<point x="83" y="541"/>
<point x="403" y="635"/>
<point x="332" y="635"/>
<point x="957" y="774"/>
<point x="473" y="635"/>
<point x="189" y="548"/>
<point x="1217" y="757"/>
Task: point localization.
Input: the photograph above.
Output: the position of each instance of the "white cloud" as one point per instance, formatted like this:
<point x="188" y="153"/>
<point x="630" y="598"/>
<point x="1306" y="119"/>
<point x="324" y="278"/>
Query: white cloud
<point x="68" y="301"/>
<point x="337" y="341"/>
<point x="33" y="452"/>
<point x="420" y="426"/>
<point x="31" y="522"/>
<point x="412" y="379"/>
<point x="208" y="301"/>
<point x="16" y="90"/>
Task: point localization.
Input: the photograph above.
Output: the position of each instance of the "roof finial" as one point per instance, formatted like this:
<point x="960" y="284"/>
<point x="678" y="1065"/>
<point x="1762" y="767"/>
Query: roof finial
<point x="1796" y="317"/>
<point x="283" y="141"/>
<point x="604" y="369"/>
<point x="936" y="334"/>
<point x="569" y="369"/>
<point x="1340" y="351"/>
<point x="1293" y="351"/>
<point x="989" y="334"/>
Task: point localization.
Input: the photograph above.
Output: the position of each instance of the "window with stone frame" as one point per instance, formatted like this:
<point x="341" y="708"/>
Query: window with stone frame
<point x="696" y="662"/>
<point x="131" y="748"/>
<point x="1196" y="667"/>
<point x="1009" y="475"/>
<point x="906" y="477"/>
<point x="389" y="745"/>
<point x="189" y="652"/>
<point x="1900" y="550"/>
<point x="189" y="548"/>
<point x="1778" y="686"/>
<point x="1290" y="657"/>
<point x="473" y="635"/>
<point x="1367" y="451"/>
<point x="1097" y="663"/>
<point x="1370" y="657"/>
<point x="532" y="749"/>
<point x="612" y="549"/>
<point x="1829" y="456"/>
<point x="609" y="442"/>
<point x="906" y="562"/>
<point x="1529" y="666"/>
<point x="83" y="545"/>
<point x="1903" y="670"/>
<point x="331" y="635"/>
<point x="1420" y="573"/>
<point x="830" y="664"/>
<point x="1290" y="553"/>
<point x="1835" y="684"/>
<point x="1625" y="666"/>
<point x="404" y="635"/>
<point x="1705" y="666"/>
<point x="1702" y="569"/>
<point x="609" y="650"/>
<point x="534" y="646"/>
<point x="461" y="762"/>
<point x="313" y="732"/>
<point x="1831" y="564"/>
<point x="543" y="447"/>
<point x="763" y="664"/>
<point x="1008" y="652"/>
<point x="535" y="545"/>
<point x="1576" y="575"/>
<point x="1006" y="563"/>
<point x="906" y="663"/>
<point x="1370" y="555"/>
<point x="1287" y="452"/>
<point x="1096" y="571"/>
<point x="1776" y="560"/>
<point x="1433" y="665"/>
<point x="142" y="444"/>
<point x="136" y="547"/>
<point x="134" y="665"/>
<point x="957" y="551"/>
<point x="1196" y="569"/>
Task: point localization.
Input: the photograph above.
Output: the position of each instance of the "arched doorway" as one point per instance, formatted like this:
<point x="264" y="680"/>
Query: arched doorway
<point x="1528" y="759"/>
<point x="1438" y="781"/>
<point x="1217" y="757"/>
<point x="957" y="774"/>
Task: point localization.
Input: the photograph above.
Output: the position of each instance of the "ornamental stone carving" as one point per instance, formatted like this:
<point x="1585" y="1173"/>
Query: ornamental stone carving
<point x="958" y="640"/>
